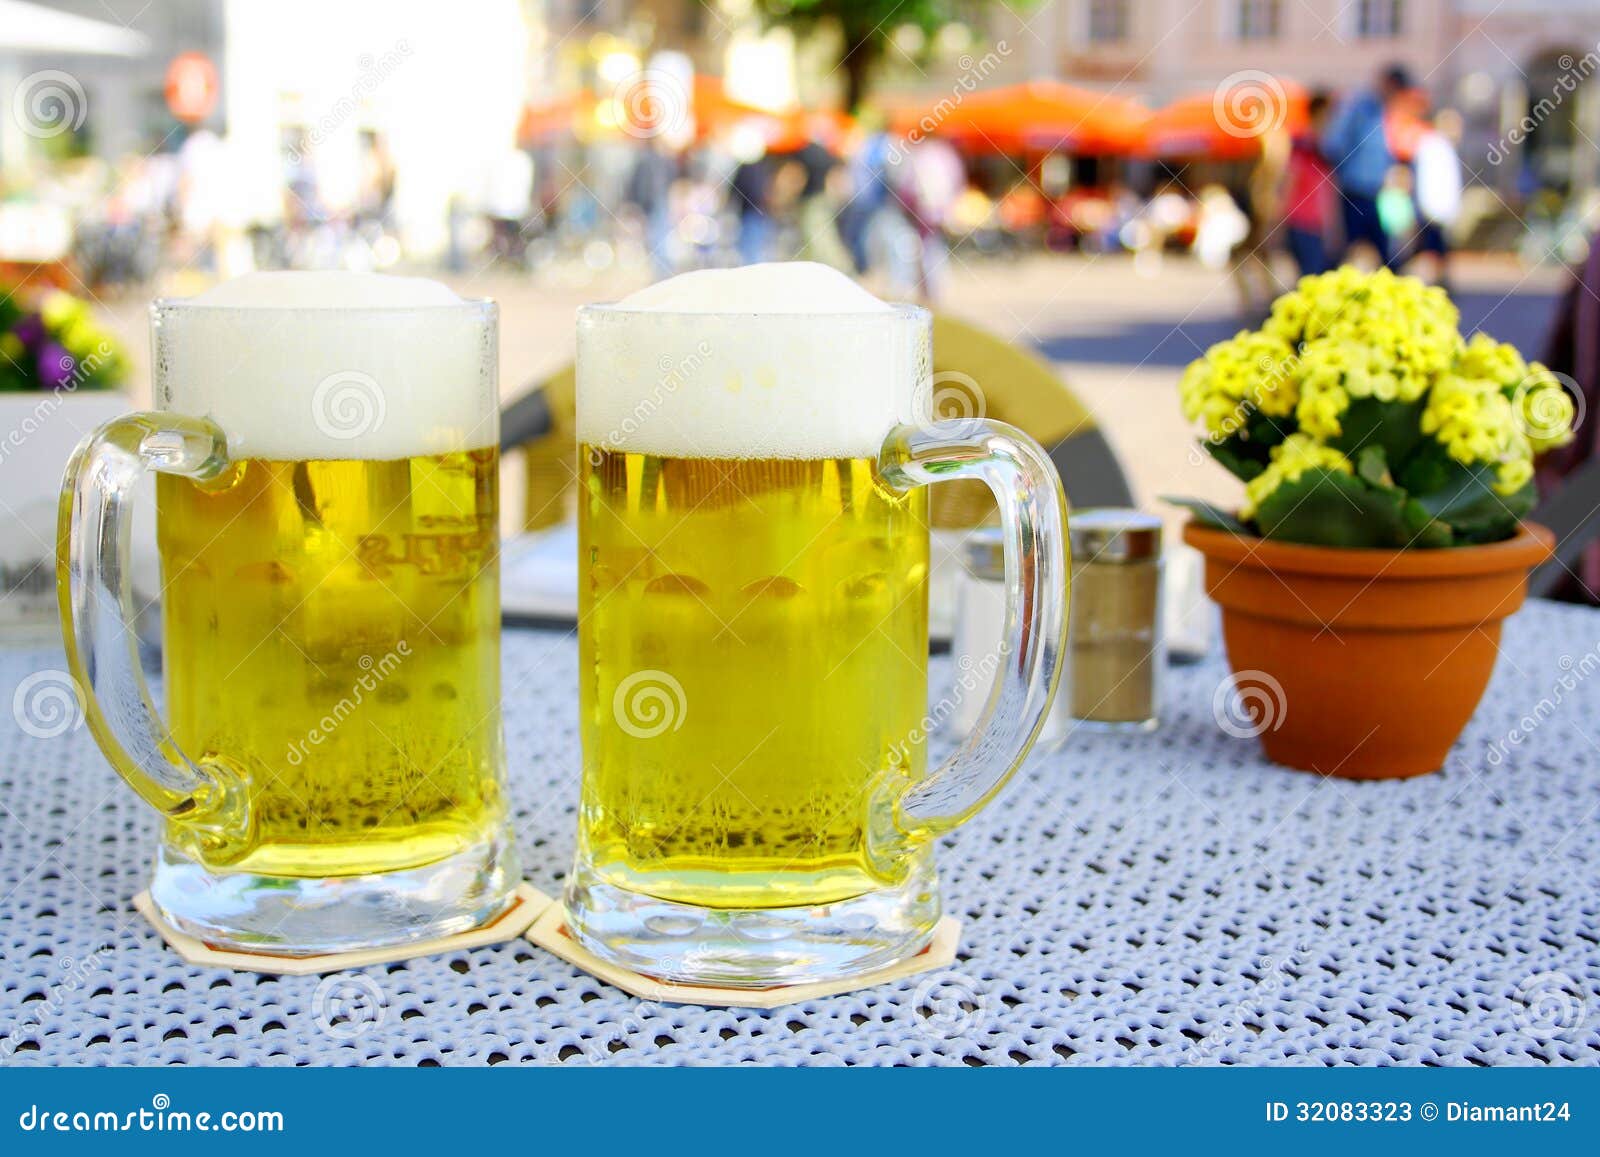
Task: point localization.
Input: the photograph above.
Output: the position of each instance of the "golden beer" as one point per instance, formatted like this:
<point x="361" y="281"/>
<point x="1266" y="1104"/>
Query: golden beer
<point x="753" y="554"/>
<point x="328" y="758"/>
<point x="332" y="628"/>
<point x="753" y="651"/>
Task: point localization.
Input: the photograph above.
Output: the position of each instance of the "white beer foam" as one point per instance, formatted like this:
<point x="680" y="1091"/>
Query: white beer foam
<point x="785" y="360"/>
<point x="331" y="365"/>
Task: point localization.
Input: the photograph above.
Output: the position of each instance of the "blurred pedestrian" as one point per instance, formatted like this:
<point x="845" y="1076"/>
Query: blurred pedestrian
<point x="1220" y="226"/>
<point x="1261" y="202"/>
<point x="1358" y="147"/>
<point x="826" y="192"/>
<point x="1397" y="211"/>
<point x="1309" y="192"/>
<point x="932" y="177"/>
<point x="750" y="193"/>
<point x="650" y="190"/>
<point x="1438" y="185"/>
<point x="868" y="168"/>
<point x="507" y="202"/>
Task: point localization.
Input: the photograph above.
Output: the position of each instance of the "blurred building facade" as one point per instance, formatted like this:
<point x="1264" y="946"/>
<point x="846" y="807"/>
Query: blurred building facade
<point x="409" y="110"/>
<point x="1522" y="72"/>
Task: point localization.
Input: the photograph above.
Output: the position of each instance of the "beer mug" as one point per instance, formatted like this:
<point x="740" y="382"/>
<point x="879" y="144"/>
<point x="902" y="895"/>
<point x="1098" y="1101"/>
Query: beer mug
<point x="753" y="638"/>
<point x="329" y="763"/>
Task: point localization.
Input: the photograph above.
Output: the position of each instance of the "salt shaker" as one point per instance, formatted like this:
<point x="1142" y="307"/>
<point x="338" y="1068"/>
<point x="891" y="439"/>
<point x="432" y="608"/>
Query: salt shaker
<point x="1116" y="653"/>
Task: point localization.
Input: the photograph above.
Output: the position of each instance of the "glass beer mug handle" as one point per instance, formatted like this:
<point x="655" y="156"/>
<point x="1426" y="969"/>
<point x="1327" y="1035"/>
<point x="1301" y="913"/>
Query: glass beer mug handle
<point x="1033" y="512"/>
<point x="95" y="588"/>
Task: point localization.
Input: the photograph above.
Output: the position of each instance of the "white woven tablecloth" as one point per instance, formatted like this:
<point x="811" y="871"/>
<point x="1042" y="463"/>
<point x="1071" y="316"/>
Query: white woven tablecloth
<point x="1166" y="898"/>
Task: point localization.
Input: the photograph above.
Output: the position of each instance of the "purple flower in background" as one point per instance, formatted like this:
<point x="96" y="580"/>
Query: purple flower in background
<point x="30" y="330"/>
<point x="55" y="365"/>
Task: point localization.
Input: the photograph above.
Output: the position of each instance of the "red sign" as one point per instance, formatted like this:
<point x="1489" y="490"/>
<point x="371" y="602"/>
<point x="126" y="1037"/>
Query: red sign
<point x="192" y="87"/>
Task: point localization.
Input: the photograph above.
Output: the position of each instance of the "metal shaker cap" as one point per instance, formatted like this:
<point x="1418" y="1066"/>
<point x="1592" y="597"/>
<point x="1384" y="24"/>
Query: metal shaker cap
<point x="1113" y="535"/>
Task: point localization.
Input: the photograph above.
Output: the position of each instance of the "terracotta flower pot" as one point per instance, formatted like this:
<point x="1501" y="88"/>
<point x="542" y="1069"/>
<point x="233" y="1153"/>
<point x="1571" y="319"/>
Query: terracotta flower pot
<point x="1363" y="663"/>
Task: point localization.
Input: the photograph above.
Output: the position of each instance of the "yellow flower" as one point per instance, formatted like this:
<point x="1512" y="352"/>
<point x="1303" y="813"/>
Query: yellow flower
<point x="1512" y="475"/>
<point x="1291" y="459"/>
<point x="1410" y="328"/>
<point x="1246" y="373"/>
<point x="1544" y="409"/>
<point x="1477" y="424"/>
<point x="1495" y="361"/>
<point x="1346" y="335"/>
<point x="1471" y="418"/>
<point x="60" y="309"/>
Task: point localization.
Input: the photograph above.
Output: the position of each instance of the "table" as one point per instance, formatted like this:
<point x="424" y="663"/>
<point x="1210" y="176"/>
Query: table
<point x="1166" y="898"/>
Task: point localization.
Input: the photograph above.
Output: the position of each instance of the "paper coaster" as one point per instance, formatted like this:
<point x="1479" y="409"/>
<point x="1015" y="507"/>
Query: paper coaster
<point x="527" y="904"/>
<point x="549" y="932"/>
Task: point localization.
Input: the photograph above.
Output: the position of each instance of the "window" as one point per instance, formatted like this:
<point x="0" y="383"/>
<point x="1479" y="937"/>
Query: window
<point x="1259" y="19"/>
<point x="1108" y="21"/>
<point x="1379" y="19"/>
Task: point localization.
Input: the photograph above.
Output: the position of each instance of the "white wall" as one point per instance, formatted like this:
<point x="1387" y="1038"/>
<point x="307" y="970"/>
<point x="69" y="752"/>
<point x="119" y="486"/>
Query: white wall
<point x="442" y="81"/>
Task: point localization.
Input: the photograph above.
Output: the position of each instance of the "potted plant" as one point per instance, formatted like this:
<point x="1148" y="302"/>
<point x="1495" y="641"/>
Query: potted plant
<point x="58" y="373"/>
<point x="1388" y="466"/>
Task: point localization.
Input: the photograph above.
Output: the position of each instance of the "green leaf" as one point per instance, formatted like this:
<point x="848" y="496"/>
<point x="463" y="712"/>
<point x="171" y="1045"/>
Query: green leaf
<point x="1428" y="469"/>
<point x="1394" y="426"/>
<point x="1208" y="515"/>
<point x="1266" y="432"/>
<point x="1328" y="508"/>
<point x="1425" y="530"/>
<point x="1472" y="507"/>
<point x="1372" y="465"/>
<point x="1239" y="457"/>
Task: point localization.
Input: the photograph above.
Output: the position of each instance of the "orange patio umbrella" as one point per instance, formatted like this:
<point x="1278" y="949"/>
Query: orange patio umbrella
<point x="802" y="126"/>
<point x="1038" y="117"/>
<point x="550" y="120"/>
<point x="654" y="103"/>
<point x="1227" y="123"/>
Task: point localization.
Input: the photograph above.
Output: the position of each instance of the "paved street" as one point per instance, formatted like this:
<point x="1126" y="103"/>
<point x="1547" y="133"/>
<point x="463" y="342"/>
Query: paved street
<point x="1119" y="336"/>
